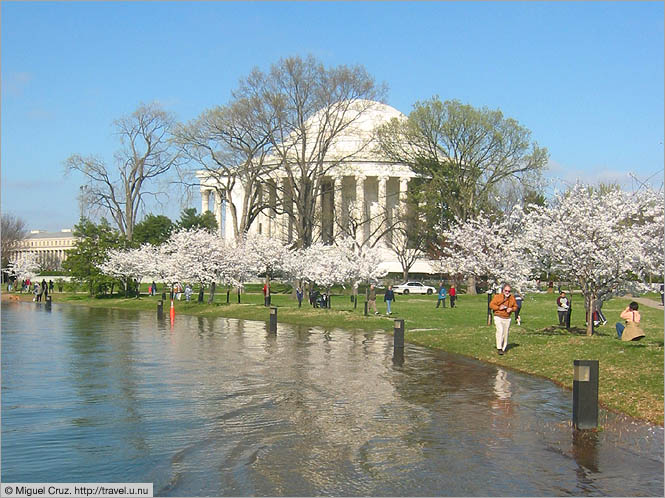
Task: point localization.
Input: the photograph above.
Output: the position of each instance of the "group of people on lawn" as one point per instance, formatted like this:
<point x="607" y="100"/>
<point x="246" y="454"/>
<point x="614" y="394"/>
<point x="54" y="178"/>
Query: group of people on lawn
<point x="504" y="303"/>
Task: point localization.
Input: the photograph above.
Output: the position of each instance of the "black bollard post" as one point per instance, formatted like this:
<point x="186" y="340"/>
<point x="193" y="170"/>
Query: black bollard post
<point x="273" y="319"/>
<point x="228" y="295"/>
<point x="238" y="295"/>
<point x="585" y="394"/>
<point x="328" y="300"/>
<point x="398" y="335"/>
<point x="489" y="310"/>
<point x="365" y="308"/>
<point x="160" y="309"/>
<point x="355" y="302"/>
<point x="48" y="303"/>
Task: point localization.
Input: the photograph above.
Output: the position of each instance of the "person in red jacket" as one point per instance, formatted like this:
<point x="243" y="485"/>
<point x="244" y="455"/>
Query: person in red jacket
<point x="453" y="295"/>
<point x="503" y="305"/>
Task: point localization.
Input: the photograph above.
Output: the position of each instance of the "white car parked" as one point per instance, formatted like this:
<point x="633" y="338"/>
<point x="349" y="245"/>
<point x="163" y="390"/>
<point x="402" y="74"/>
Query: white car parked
<point x="413" y="288"/>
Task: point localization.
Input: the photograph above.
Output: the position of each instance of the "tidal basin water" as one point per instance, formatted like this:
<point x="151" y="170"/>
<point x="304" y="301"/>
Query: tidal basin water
<point x="215" y="407"/>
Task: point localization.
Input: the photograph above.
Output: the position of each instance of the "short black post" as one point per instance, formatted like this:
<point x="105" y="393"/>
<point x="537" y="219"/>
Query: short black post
<point x="273" y="319"/>
<point x="585" y="394"/>
<point x="48" y="303"/>
<point x="355" y="301"/>
<point x="398" y="335"/>
<point x="365" y="308"/>
<point x="228" y="295"/>
<point x="489" y="310"/>
<point x="160" y="309"/>
<point x="328" y="300"/>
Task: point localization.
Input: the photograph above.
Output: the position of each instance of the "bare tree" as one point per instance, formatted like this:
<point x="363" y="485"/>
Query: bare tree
<point x="307" y="106"/>
<point x="146" y="153"/>
<point x="12" y="231"/>
<point x="366" y="231"/>
<point x="231" y="144"/>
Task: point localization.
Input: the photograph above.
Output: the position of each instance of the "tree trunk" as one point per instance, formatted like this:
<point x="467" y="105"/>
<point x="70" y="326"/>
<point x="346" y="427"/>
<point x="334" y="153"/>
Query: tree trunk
<point x="405" y="274"/>
<point x="588" y="304"/>
<point x="211" y="297"/>
<point x="471" y="285"/>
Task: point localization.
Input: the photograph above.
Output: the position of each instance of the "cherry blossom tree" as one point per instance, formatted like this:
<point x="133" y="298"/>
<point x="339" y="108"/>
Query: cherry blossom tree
<point x="346" y="262"/>
<point x="194" y="254"/>
<point x="606" y="241"/>
<point x="266" y="255"/>
<point x="327" y="265"/>
<point x="25" y="267"/>
<point x="128" y="265"/>
<point x="491" y="248"/>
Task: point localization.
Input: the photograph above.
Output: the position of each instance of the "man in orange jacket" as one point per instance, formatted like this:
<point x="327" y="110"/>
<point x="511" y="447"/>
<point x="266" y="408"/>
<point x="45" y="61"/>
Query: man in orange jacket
<point x="503" y="305"/>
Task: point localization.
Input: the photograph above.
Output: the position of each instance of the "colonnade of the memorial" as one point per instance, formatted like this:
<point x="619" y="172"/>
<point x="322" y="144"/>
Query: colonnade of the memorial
<point x="377" y="198"/>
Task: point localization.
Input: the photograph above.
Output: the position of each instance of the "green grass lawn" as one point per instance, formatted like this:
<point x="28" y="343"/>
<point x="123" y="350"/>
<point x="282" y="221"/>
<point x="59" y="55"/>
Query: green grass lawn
<point x="631" y="374"/>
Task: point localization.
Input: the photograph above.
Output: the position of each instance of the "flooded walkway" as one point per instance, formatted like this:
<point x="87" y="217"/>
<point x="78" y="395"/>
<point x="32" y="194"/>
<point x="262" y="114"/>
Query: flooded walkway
<point x="215" y="407"/>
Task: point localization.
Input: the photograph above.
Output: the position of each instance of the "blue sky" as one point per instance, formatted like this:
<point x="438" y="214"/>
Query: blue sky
<point x="585" y="77"/>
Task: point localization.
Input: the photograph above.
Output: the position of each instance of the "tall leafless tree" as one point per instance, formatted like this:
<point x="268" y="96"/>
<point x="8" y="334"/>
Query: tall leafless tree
<point x="231" y="143"/>
<point x="306" y="107"/>
<point x="145" y="154"/>
<point x="12" y="231"/>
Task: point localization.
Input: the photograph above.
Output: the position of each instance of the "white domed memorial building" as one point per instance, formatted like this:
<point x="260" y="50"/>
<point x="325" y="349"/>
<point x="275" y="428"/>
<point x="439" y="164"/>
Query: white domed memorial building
<point x="355" y="190"/>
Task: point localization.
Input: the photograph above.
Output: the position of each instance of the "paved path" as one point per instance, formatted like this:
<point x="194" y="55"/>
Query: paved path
<point x="652" y="303"/>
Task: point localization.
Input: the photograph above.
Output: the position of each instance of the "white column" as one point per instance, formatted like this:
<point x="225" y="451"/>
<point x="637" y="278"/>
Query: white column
<point x="338" y="217"/>
<point x="218" y="211"/>
<point x="228" y="223"/>
<point x="360" y="204"/>
<point x="317" y="229"/>
<point x="403" y="186"/>
<point x="284" y="217"/>
<point x="382" y="211"/>
<point x="205" y="200"/>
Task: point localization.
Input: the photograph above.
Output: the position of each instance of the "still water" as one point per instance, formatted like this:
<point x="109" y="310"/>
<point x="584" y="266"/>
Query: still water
<point x="216" y="407"/>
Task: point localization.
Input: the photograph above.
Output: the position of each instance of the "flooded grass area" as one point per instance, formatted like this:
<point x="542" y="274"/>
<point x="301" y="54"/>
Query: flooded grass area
<point x="213" y="406"/>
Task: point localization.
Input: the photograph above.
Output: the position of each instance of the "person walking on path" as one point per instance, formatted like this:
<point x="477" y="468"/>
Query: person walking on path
<point x="441" y="296"/>
<point x="389" y="297"/>
<point x="371" y="298"/>
<point x="299" y="296"/>
<point x="630" y="331"/>
<point x="562" y="306"/>
<point x="50" y="286"/>
<point x="502" y="305"/>
<point x="44" y="289"/>
<point x="518" y="300"/>
<point x="37" y="292"/>
<point x="452" y="292"/>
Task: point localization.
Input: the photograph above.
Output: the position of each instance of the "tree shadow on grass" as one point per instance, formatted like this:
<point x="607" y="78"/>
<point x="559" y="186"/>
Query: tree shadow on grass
<point x="558" y="330"/>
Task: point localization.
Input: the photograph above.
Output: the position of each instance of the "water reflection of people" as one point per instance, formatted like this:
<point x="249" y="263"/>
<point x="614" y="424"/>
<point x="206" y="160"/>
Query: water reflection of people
<point x="502" y="385"/>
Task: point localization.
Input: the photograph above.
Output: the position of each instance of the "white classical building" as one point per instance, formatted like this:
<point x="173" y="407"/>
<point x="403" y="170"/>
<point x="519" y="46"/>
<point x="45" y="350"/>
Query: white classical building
<point x="50" y="248"/>
<point x="359" y="182"/>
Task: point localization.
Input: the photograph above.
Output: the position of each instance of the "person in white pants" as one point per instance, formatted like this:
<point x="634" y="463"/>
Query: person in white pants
<point x="503" y="304"/>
